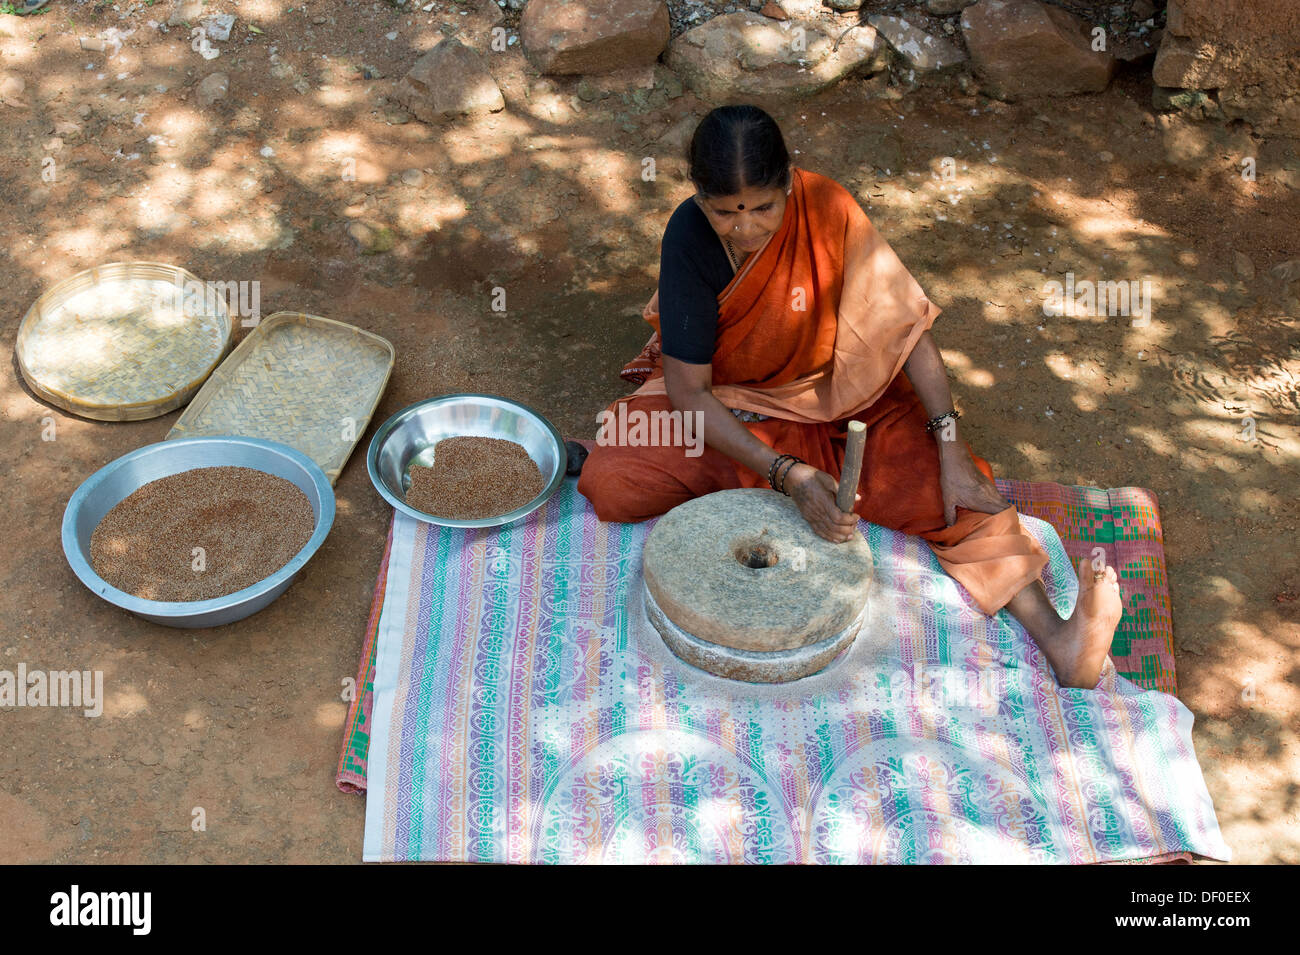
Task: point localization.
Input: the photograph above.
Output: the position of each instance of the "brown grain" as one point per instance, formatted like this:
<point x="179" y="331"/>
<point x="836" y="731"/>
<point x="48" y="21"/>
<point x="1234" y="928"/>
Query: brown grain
<point x="473" y="478"/>
<point x="249" y="524"/>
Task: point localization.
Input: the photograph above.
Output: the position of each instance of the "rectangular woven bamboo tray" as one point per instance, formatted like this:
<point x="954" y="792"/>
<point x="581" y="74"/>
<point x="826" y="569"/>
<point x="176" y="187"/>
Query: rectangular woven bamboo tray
<point x="309" y="382"/>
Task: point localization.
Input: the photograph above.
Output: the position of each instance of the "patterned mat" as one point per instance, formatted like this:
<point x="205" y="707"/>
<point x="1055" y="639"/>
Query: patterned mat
<point x="1123" y="521"/>
<point x="940" y="736"/>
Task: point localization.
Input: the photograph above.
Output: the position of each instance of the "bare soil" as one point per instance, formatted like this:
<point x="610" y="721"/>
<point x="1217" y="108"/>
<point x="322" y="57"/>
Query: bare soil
<point x="548" y="202"/>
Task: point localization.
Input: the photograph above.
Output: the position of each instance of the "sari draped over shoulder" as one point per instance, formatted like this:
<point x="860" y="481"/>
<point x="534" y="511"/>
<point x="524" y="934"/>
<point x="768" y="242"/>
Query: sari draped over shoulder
<point x="816" y="323"/>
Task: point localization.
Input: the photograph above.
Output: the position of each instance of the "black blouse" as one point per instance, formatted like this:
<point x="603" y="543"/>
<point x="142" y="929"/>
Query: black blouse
<point x="693" y="271"/>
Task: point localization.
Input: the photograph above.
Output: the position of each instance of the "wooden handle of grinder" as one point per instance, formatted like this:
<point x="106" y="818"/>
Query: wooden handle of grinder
<point x="852" y="469"/>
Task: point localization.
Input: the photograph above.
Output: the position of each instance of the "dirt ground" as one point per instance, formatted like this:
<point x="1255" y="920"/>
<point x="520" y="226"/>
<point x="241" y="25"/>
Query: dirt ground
<point x="547" y="201"/>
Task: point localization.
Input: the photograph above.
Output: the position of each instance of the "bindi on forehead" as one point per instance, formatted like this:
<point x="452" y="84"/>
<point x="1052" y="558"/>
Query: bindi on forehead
<point x="739" y="207"/>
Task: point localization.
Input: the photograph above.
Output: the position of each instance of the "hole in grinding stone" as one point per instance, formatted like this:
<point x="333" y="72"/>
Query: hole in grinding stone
<point x="755" y="553"/>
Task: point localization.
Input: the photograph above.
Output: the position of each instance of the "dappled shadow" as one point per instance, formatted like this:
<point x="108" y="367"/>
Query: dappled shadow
<point x="547" y="201"/>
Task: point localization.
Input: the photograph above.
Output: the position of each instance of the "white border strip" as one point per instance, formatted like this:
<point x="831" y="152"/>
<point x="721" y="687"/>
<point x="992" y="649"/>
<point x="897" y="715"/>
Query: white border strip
<point x="390" y="636"/>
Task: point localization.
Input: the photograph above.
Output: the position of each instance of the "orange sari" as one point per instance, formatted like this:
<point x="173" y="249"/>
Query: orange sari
<point x="812" y="332"/>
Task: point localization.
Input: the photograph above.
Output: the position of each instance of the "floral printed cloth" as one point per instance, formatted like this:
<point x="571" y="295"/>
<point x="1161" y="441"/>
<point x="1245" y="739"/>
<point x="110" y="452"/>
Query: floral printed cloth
<point x="524" y="710"/>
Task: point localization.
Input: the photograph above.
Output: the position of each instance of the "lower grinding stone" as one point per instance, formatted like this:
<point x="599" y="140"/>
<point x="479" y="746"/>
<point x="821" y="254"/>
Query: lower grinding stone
<point x="751" y="666"/>
<point x="739" y="585"/>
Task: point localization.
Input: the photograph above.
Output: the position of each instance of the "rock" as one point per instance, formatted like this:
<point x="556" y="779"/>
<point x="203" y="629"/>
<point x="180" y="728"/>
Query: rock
<point x="185" y="11"/>
<point x="449" y="81"/>
<point x="1023" y="49"/>
<point x="944" y="7"/>
<point x="11" y="87"/>
<point x="920" y="50"/>
<point x="773" y="11"/>
<point x="1132" y="48"/>
<point x="1185" y="64"/>
<point x="844" y="5"/>
<point x="1289" y="173"/>
<point x="1143" y="9"/>
<point x="1195" y="103"/>
<point x="744" y="54"/>
<point x="1286" y="272"/>
<point x="1244" y="49"/>
<point x="589" y="36"/>
<point x="219" y="26"/>
<point x="214" y="87"/>
<point x="1243" y="266"/>
<point x="803" y="9"/>
<point x="489" y="10"/>
<point x="413" y="177"/>
<point x="575" y="455"/>
<point x="373" y="238"/>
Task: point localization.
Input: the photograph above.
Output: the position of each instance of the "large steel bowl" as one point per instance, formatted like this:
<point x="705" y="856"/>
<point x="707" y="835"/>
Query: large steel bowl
<point x="118" y="479"/>
<point x="408" y="437"/>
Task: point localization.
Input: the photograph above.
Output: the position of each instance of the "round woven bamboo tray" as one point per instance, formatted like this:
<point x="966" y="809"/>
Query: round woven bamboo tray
<point x="124" y="341"/>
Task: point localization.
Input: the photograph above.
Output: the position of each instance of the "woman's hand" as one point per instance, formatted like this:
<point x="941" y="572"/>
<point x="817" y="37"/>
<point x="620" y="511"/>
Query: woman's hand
<point x="965" y="485"/>
<point x="814" y="492"/>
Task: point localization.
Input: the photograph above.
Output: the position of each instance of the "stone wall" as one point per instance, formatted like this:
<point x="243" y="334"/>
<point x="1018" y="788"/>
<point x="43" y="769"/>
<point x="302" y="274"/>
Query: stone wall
<point x="1246" y="50"/>
<point x="1216" y="59"/>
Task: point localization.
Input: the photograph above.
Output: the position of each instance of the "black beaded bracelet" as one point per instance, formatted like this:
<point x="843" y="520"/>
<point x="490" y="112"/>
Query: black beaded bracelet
<point x="935" y="423"/>
<point x="771" y="470"/>
<point x="775" y="466"/>
<point x="782" y="475"/>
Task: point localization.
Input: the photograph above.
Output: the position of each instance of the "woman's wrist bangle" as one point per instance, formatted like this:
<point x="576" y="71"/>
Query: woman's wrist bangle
<point x="786" y="473"/>
<point x="935" y="423"/>
<point x="772" y="469"/>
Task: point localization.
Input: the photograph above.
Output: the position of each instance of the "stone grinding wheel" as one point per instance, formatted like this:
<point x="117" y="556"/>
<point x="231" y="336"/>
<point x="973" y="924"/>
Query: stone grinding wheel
<point x="739" y="585"/>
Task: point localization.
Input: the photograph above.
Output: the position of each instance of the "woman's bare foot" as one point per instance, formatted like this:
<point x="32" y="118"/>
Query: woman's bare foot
<point x="1079" y="650"/>
<point x="1076" y="648"/>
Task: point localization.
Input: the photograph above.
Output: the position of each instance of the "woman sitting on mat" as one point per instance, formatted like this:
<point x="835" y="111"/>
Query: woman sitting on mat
<point x="781" y="315"/>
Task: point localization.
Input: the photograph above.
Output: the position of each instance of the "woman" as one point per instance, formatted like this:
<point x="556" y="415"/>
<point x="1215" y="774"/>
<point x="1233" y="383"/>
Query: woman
<point x="781" y="315"/>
